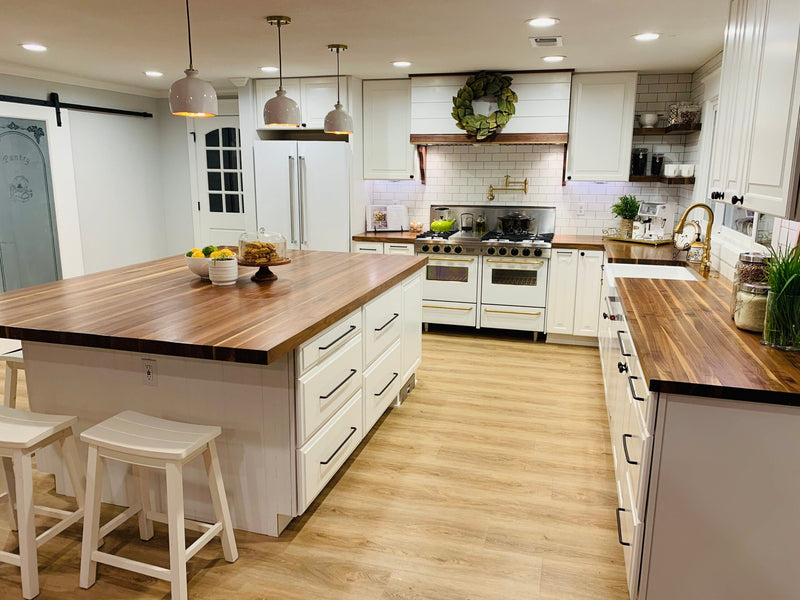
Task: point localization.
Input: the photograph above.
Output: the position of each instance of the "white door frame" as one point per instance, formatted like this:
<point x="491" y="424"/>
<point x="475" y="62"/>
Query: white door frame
<point x="62" y="171"/>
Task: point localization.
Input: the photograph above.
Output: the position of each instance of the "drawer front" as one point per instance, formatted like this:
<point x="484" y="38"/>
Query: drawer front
<point x="382" y="382"/>
<point x="326" y="387"/>
<point x="329" y="341"/>
<point x="513" y="317"/>
<point x="320" y="457"/>
<point x="449" y="313"/>
<point x="368" y="247"/>
<point x="382" y="322"/>
<point x="398" y="249"/>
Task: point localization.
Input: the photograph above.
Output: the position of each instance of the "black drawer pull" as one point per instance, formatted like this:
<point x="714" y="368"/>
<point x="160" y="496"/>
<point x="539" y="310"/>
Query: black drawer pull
<point x="346" y="379"/>
<point x="386" y="387"/>
<point x="621" y="347"/>
<point x="625" y="437"/>
<point x="335" y="452"/>
<point x="352" y="328"/>
<point x="619" y="528"/>
<point x="623" y="367"/>
<point x="633" y="388"/>
<point x="385" y="325"/>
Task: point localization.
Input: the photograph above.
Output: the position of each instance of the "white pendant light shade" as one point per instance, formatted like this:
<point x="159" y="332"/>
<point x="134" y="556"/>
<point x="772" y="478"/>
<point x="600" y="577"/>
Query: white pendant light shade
<point x="338" y="121"/>
<point x="281" y="111"/>
<point x="193" y="97"/>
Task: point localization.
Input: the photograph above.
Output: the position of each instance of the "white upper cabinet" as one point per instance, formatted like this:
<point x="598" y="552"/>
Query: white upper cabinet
<point x="755" y="160"/>
<point x="316" y="97"/>
<point x="265" y="89"/>
<point x="388" y="153"/>
<point x="601" y="126"/>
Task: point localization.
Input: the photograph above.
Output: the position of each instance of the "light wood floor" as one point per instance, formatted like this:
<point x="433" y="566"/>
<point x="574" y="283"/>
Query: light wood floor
<point x="494" y="480"/>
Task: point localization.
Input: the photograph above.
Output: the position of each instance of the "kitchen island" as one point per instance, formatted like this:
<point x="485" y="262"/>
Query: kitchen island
<point x="263" y="361"/>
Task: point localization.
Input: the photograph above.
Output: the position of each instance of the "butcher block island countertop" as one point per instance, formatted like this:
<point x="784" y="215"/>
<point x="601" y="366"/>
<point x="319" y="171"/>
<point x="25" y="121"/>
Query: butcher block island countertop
<point x="160" y="307"/>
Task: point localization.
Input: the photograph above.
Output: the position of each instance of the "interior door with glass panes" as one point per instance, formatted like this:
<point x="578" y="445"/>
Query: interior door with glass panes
<point x="219" y="168"/>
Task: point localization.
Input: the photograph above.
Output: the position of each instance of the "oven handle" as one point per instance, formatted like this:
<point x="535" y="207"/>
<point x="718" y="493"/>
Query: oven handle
<point x="448" y="307"/>
<point x="432" y="259"/>
<point x="512" y="312"/>
<point x="515" y="262"/>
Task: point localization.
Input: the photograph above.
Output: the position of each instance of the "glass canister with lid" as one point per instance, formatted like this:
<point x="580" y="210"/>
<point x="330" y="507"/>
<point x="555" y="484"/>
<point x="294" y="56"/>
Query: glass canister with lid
<point x="261" y="248"/>
<point x="751" y="306"/>
<point x="750" y="268"/>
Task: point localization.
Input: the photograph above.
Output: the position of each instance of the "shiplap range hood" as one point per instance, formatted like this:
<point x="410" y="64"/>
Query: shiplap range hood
<point x="542" y="112"/>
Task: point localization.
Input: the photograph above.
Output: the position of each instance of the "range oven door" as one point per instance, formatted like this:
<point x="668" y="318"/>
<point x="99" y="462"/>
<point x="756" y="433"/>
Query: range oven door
<point x="514" y="281"/>
<point x="451" y="279"/>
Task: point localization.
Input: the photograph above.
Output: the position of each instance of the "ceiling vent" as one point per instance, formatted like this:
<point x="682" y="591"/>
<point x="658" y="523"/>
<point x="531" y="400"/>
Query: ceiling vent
<point x="546" y="41"/>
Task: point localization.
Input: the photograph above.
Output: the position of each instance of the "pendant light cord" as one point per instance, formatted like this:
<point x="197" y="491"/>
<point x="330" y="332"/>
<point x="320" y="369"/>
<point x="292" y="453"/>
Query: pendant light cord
<point x="338" y="100"/>
<point x="189" y="29"/>
<point x="280" y="59"/>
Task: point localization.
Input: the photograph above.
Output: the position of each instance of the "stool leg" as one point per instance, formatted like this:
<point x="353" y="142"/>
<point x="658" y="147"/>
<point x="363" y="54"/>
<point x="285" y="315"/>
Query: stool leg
<point x="145" y="524"/>
<point x="220" y="502"/>
<point x="23" y="472"/>
<point x="91" y="519"/>
<point x="69" y="454"/>
<point x="10" y="391"/>
<point x="177" y="535"/>
<point x="8" y="480"/>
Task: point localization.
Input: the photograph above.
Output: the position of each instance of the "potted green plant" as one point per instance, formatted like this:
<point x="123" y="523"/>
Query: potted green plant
<point x="626" y="208"/>
<point x="782" y="322"/>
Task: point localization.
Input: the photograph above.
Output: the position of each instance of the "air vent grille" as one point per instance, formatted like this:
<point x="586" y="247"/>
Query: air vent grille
<point x="546" y="41"/>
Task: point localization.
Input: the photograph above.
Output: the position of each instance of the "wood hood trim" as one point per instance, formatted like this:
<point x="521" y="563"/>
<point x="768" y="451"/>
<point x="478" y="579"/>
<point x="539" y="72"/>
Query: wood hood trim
<point x="501" y="138"/>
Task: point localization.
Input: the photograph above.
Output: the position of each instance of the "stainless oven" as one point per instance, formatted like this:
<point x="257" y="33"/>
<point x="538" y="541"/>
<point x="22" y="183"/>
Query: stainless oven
<point x="511" y="281"/>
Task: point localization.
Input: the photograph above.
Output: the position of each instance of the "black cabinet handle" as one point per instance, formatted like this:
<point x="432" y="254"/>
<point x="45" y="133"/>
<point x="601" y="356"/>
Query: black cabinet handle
<point x="619" y="528"/>
<point x="335" y="452"/>
<point x="346" y="379"/>
<point x="385" y="325"/>
<point x="621" y="347"/>
<point x="625" y="448"/>
<point x="569" y="177"/>
<point x="605" y="315"/>
<point x="386" y="387"/>
<point x="633" y="389"/>
<point x="352" y="328"/>
<point x="737" y="199"/>
<point x="623" y="367"/>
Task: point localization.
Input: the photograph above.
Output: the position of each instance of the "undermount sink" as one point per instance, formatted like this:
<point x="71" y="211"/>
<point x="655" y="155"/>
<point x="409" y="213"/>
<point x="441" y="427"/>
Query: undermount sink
<point x="639" y="271"/>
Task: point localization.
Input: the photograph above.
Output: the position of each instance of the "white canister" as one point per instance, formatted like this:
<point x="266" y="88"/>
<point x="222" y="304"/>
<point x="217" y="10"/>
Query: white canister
<point x="671" y="170"/>
<point x="223" y="272"/>
<point x="687" y="170"/>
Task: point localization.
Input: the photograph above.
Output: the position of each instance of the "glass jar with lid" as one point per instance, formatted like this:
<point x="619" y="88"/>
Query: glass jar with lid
<point x="751" y="306"/>
<point x="262" y="248"/>
<point x="750" y="268"/>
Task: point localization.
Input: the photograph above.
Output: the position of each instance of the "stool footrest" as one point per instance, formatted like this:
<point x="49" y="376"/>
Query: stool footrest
<point x="48" y="535"/>
<point x="131" y="565"/>
<point x="189" y="524"/>
<point x="9" y="558"/>
<point x="119" y="520"/>
<point x="47" y="511"/>
<point x="203" y="540"/>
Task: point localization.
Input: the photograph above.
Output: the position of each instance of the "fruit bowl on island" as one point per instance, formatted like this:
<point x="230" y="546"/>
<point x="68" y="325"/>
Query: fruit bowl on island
<point x="198" y="260"/>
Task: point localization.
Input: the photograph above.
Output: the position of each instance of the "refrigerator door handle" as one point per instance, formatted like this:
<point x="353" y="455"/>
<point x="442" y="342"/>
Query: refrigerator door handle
<point x="292" y="180"/>
<point x="303" y="186"/>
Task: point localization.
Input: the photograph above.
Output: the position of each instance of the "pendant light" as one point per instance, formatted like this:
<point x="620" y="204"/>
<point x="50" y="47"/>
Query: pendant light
<point x="338" y="121"/>
<point x="192" y="96"/>
<point x="281" y="110"/>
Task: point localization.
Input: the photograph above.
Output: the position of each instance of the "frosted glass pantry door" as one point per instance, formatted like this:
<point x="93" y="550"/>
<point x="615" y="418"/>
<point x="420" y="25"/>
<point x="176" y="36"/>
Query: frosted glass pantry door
<point x="29" y="252"/>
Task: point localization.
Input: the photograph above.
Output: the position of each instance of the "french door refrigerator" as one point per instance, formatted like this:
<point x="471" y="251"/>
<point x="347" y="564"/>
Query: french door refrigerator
<point x="303" y="192"/>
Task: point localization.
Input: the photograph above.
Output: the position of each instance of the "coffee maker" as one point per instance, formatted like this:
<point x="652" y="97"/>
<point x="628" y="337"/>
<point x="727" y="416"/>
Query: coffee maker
<point x="657" y="220"/>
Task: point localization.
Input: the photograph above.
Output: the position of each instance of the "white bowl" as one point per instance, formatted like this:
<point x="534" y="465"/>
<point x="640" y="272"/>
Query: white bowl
<point x="198" y="265"/>
<point x="648" y="120"/>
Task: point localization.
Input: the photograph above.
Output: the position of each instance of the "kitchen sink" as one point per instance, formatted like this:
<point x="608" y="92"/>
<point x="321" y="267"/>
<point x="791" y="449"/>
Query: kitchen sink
<point x="615" y="270"/>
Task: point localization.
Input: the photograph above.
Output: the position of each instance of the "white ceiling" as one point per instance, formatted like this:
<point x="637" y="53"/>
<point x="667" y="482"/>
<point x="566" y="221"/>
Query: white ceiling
<point x="114" y="41"/>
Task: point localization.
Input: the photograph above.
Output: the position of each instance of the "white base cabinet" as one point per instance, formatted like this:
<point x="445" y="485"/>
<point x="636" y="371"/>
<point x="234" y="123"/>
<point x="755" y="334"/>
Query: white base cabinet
<point x="383" y="248"/>
<point x="573" y="292"/>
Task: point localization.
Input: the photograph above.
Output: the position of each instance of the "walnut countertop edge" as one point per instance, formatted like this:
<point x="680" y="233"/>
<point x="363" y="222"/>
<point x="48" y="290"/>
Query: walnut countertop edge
<point x="160" y="307"/>
<point x="686" y="343"/>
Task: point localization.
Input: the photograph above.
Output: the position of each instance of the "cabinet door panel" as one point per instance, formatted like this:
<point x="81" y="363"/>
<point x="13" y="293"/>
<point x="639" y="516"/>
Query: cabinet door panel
<point x="587" y="292"/>
<point x="317" y="99"/>
<point x="388" y="152"/>
<point x="561" y="291"/>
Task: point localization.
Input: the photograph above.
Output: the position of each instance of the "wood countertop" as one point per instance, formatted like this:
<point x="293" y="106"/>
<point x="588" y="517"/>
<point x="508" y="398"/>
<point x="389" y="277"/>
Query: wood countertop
<point x="397" y="237"/>
<point x="687" y="343"/>
<point x="645" y="254"/>
<point x="160" y="307"/>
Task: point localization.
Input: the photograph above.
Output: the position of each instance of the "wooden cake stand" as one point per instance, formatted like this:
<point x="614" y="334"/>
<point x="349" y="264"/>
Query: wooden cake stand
<point x="264" y="274"/>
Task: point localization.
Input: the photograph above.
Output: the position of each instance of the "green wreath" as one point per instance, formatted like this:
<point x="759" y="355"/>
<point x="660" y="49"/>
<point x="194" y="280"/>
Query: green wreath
<point x="476" y="87"/>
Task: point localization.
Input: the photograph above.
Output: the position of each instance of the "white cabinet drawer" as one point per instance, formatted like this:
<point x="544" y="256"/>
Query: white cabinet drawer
<point x="389" y="248"/>
<point x="449" y="313"/>
<point x="368" y="247"/>
<point x="327" y="342"/>
<point x="326" y="387"/>
<point x="320" y="458"/>
<point x="382" y="323"/>
<point x="382" y="382"/>
<point x="513" y="317"/>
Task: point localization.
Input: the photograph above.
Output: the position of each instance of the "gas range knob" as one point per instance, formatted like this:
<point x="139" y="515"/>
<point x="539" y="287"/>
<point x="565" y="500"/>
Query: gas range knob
<point x="448" y="249"/>
<point x="537" y="252"/>
<point x="502" y="251"/>
<point x="490" y="251"/>
<point x="526" y="252"/>
<point x="514" y="251"/>
<point x="436" y="248"/>
<point x="457" y="249"/>
<point x="425" y="247"/>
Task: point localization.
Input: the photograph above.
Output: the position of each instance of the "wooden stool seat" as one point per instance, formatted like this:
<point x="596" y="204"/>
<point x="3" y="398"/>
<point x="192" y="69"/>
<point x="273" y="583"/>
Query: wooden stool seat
<point x="149" y="442"/>
<point x="22" y="433"/>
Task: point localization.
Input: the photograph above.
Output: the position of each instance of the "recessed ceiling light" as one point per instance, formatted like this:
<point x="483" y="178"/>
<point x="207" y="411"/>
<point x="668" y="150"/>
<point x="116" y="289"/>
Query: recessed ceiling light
<point x="154" y="73"/>
<point x="553" y="58"/>
<point x="646" y="37"/>
<point x="401" y="63"/>
<point x="543" y="22"/>
<point x="269" y="69"/>
<point x="34" y="47"/>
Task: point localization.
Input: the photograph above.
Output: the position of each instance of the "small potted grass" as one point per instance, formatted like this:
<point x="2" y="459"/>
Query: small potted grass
<point x="627" y="209"/>
<point x="782" y="321"/>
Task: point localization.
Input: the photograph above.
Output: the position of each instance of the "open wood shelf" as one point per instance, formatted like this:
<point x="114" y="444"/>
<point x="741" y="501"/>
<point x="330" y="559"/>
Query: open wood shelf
<point x="671" y="130"/>
<point x="661" y="179"/>
<point x="499" y="138"/>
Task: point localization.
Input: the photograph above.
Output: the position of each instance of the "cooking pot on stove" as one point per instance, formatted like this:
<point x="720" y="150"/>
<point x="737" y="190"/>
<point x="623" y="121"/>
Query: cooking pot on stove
<point x="515" y="223"/>
<point x="442" y="225"/>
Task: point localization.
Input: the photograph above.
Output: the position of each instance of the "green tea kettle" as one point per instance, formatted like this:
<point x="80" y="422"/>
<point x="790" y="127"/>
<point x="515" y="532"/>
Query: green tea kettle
<point x="442" y="225"/>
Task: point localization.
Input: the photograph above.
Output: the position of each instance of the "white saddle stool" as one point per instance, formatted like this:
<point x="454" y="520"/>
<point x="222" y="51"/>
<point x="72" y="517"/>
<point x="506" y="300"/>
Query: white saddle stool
<point x="14" y="364"/>
<point x="21" y="434"/>
<point x="144" y="441"/>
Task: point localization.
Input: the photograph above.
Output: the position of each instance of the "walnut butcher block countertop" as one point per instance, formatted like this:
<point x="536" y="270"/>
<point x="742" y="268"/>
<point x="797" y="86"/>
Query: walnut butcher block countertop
<point x="160" y="307"/>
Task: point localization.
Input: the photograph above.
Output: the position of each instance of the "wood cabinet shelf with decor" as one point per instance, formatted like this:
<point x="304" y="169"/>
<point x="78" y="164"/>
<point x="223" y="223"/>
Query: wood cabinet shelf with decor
<point x="669" y="130"/>
<point x="661" y="179"/>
